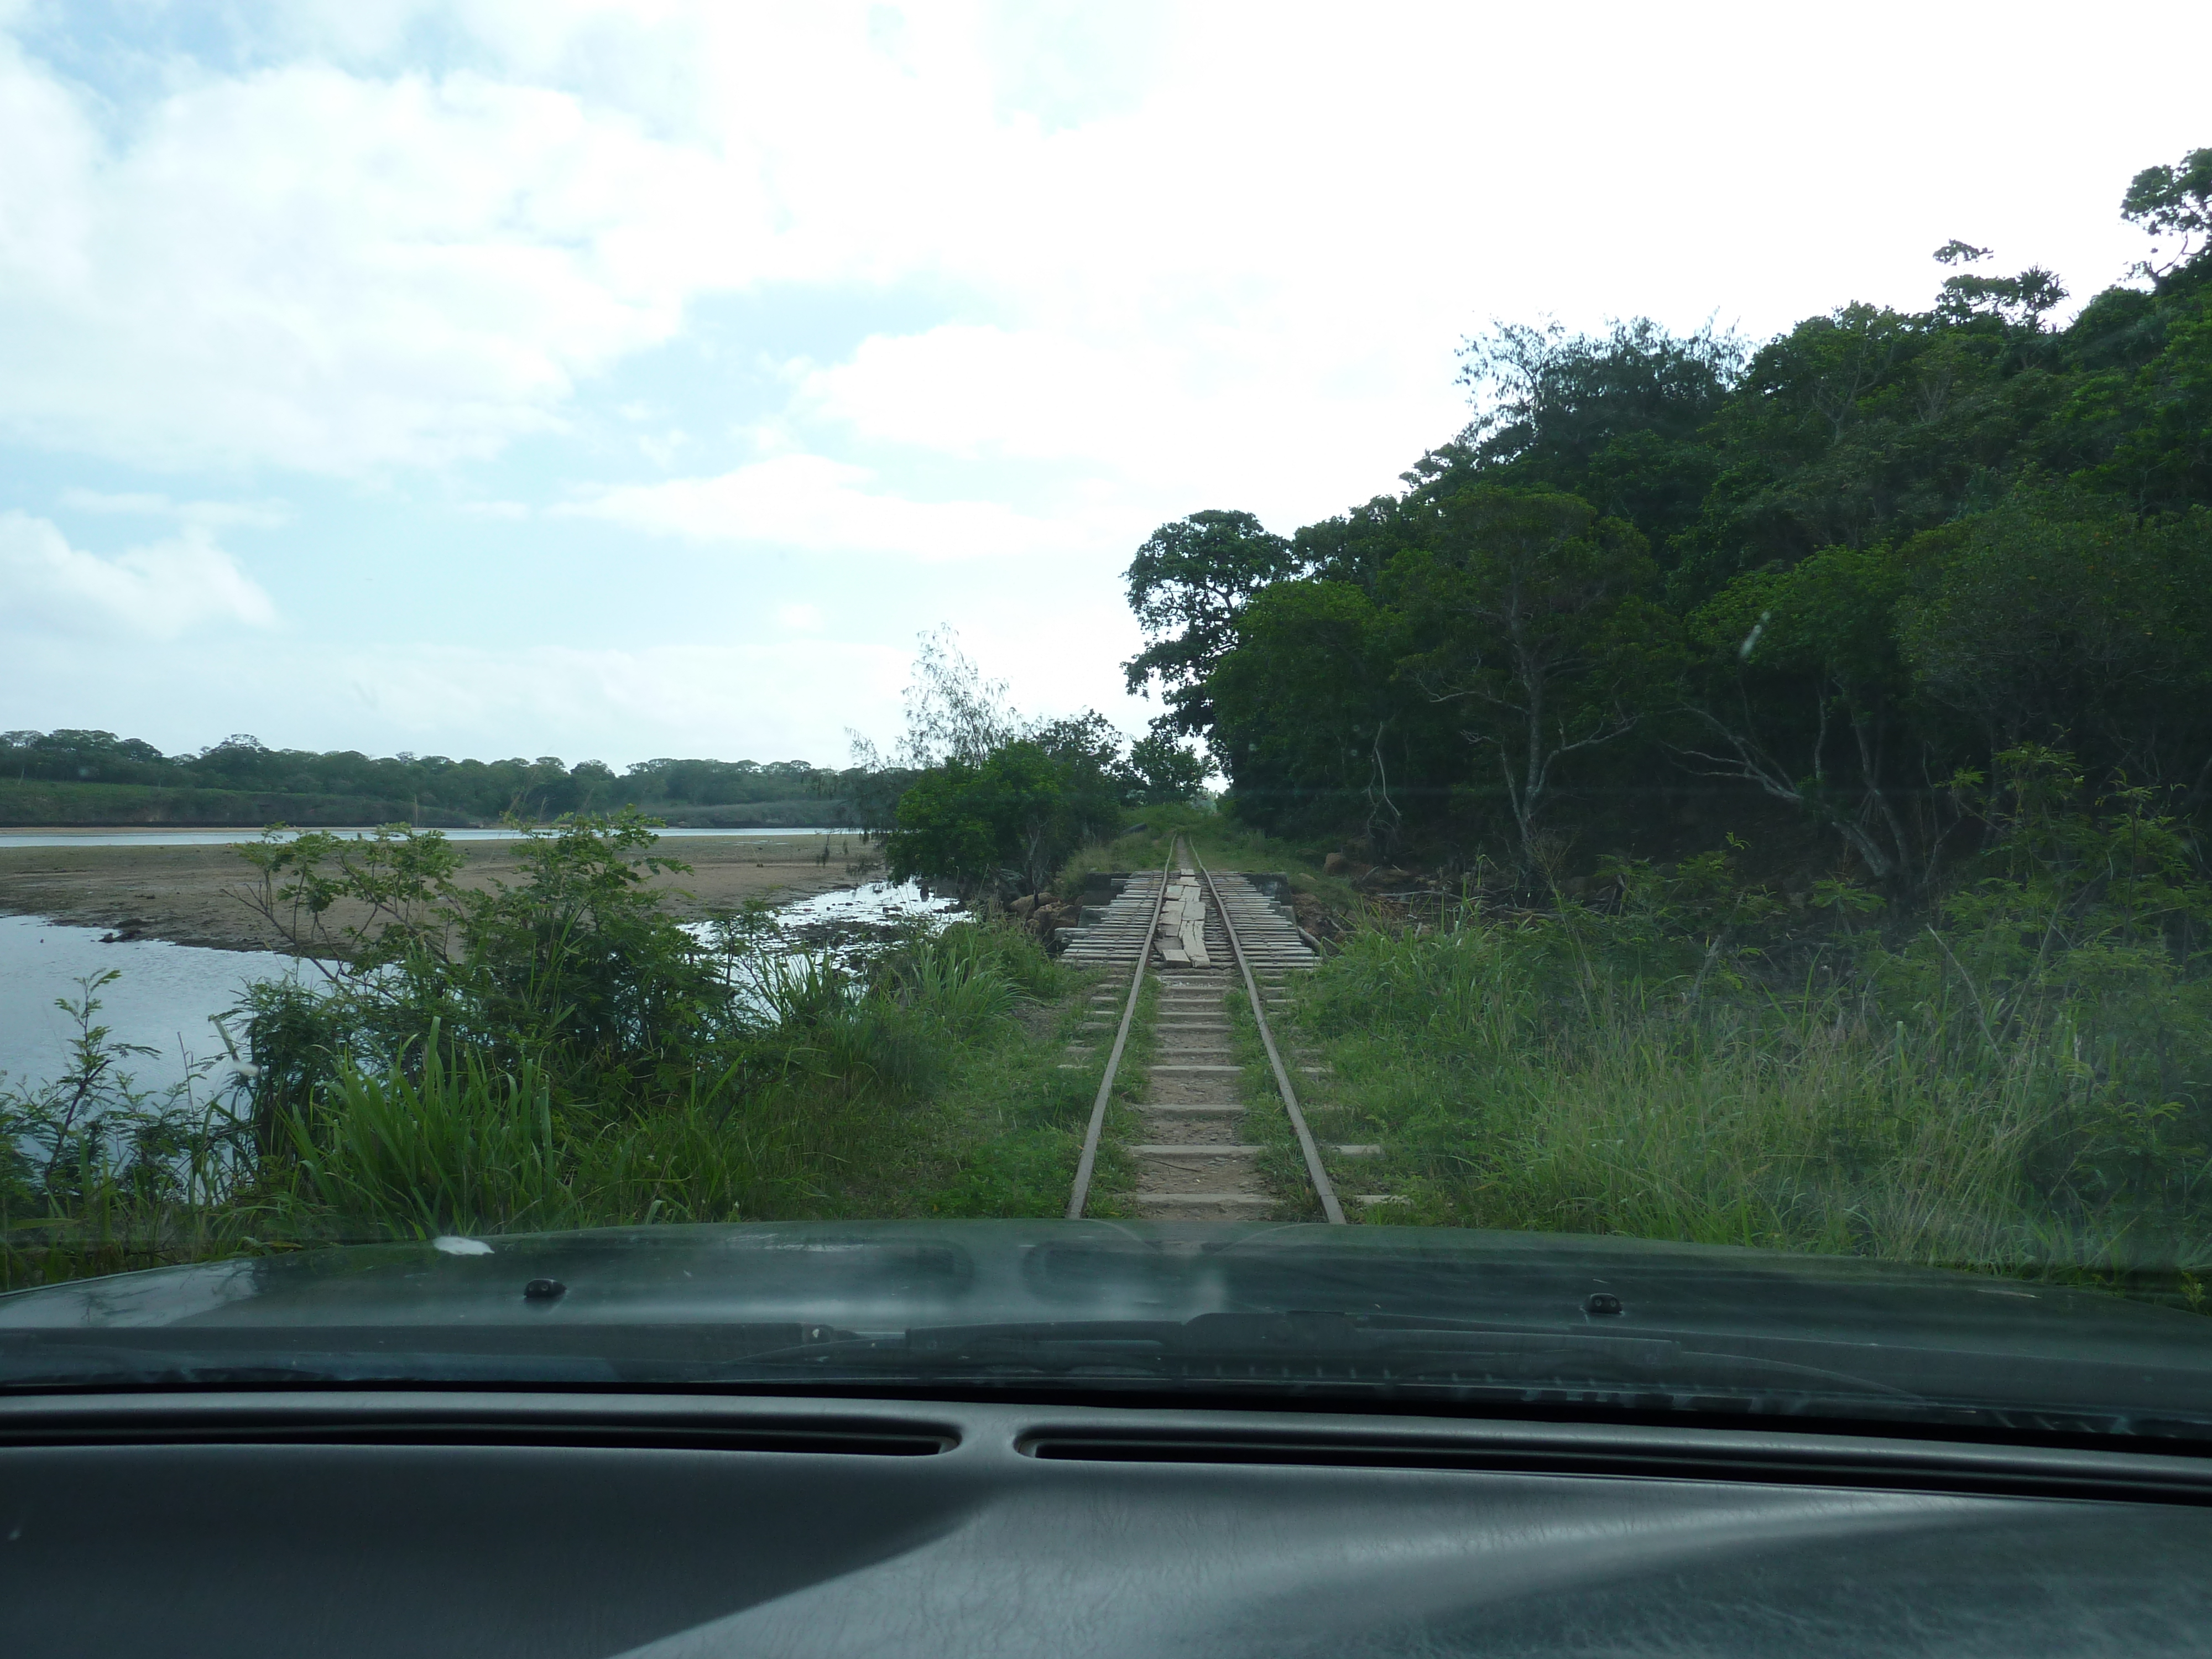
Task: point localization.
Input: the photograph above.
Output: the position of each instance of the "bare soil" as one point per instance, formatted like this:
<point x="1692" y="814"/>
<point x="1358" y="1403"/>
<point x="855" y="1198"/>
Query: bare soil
<point x="196" y="895"/>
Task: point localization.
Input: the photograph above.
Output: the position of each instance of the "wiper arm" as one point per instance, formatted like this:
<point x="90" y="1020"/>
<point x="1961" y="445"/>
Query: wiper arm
<point x="1234" y="1348"/>
<point x="1323" y="1346"/>
<point x="127" y="1367"/>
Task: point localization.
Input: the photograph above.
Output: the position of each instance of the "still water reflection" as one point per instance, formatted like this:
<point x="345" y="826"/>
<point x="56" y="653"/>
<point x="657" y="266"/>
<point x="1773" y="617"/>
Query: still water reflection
<point x="163" y="1000"/>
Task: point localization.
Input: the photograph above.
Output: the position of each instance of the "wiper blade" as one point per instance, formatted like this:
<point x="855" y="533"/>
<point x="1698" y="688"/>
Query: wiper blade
<point x="1323" y="1346"/>
<point x="1278" y="1349"/>
<point x="123" y="1367"/>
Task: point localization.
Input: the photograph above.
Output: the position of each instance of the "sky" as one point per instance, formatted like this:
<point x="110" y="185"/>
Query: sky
<point x="543" y="377"/>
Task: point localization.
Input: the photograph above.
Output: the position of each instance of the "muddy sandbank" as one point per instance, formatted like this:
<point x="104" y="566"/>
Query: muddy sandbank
<point x="196" y="895"/>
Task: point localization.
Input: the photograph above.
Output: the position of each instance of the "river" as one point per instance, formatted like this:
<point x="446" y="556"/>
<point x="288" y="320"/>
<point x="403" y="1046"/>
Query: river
<point x="165" y="994"/>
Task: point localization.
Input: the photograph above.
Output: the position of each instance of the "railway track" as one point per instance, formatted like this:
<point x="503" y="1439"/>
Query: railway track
<point x="1204" y="935"/>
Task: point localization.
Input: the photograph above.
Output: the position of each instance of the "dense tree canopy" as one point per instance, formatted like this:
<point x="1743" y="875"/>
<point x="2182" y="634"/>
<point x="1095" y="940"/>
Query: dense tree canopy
<point x="429" y="788"/>
<point x="1836" y="572"/>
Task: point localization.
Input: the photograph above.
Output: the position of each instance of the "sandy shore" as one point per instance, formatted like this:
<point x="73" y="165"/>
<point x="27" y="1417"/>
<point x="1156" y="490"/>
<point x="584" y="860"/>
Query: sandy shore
<point x="193" y="895"/>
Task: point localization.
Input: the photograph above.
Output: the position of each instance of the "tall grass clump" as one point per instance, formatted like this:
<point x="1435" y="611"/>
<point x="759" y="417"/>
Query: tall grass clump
<point x="2019" y="1079"/>
<point x="451" y="1145"/>
<point x="98" y="1175"/>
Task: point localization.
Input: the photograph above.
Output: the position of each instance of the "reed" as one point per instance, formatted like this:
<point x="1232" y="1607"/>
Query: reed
<point x="913" y="1084"/>
<point x="1592" y="1072"/>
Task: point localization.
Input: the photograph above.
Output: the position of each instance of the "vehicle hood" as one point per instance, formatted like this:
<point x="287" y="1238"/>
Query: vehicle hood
<point x="672" y="1304"/>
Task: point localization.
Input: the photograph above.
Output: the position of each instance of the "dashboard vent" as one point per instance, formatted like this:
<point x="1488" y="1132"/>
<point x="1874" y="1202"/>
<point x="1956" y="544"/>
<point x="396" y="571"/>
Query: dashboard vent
<point x="1995" y="1470"/>
<point x="641" y="1434"/>
<point x="1168" y="1448"/>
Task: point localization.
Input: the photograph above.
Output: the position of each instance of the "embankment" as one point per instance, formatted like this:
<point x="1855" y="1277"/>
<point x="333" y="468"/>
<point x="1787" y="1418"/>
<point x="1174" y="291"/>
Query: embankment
<point x="196" y="894"/>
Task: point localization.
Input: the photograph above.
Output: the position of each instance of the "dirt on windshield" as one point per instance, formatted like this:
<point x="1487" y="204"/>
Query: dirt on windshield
<point x="194" y="895"/>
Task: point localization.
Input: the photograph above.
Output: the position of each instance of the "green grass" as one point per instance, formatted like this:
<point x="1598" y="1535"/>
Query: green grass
<point x="1223" y="844"/>
<point x="1000" y="1136"/>
<point x="1521" y="1081"/>
<point x="2020" y="1082"/>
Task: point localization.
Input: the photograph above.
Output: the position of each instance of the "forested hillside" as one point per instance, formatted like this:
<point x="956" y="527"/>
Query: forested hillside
<point x="145" y="785"/>
<point x="1663" y="589"/>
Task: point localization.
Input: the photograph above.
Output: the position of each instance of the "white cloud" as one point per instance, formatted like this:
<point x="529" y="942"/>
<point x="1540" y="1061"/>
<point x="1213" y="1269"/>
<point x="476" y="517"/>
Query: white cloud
<point x="354" y="258"/>
<point x="771" y="701"/>
<point x="799" y="618"/>
<point x="211" y="515"/>
<point x="700" y="699"/>
<point x="159" y="592"/>
<point x="663" y="451"/>
<point x="329" y="271"/>
<point x="791" y="698"/>
<point x="974" y="389"/>
<point x="1157" y="427"/>
<point x="823" y="506"/>
<point x="1227" y="269"/>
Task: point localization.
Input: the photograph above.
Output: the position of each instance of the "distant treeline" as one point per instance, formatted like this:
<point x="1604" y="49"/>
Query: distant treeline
<point x="1836" y="576"/>
<point x="426" y="788"/>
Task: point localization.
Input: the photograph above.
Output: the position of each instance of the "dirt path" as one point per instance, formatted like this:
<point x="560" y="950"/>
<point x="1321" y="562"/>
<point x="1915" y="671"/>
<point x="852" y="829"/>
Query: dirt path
<point x="190" y="894"/>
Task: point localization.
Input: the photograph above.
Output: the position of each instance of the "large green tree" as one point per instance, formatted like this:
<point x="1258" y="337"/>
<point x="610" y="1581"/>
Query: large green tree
<point x="1530" y="616"/>
<point x="1309" y="718"/>
<point x="1801" y="692"/>
<point x="1187" y="583"/>
<point x="1010" y="819"/>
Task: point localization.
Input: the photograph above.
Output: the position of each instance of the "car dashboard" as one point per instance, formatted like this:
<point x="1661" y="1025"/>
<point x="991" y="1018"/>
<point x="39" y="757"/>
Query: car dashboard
<point x="566" y="1525"/>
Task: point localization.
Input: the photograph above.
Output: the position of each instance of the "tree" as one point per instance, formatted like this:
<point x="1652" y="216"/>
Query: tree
<point x="1532" y="620"/>
<point x="1800" y="691"/>
<point x="1187" y="583"/>
<point x="1086" y="750"/>
<point x="1896" y="538"/>
<point x="1556" y="400"/>
<point x="972" y="824"/>
<point x="2171" y="201"/>
<point x="2052" y="620"/>
<point x="1615" y="418"/>
<point x="574" y="965"/>
<point x="2147" y="430"/>
<point x="951" y="711"/>
<point x="1305" y="706"/>
<point x="1161" y="772"/>
<point x="2020" y="302"/>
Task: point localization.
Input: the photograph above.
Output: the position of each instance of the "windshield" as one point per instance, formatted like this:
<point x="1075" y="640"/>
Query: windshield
<point x="1205" y="722"/>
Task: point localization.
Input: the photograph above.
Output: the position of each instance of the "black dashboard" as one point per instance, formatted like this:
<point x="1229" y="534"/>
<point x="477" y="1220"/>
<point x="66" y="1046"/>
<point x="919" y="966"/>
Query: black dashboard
<point x="494" y="1523"/>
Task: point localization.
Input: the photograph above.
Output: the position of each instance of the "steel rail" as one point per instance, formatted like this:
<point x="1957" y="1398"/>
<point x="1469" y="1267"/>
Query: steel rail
<point x="1318" y="1175"/>
<point x="1090" y="1160"/>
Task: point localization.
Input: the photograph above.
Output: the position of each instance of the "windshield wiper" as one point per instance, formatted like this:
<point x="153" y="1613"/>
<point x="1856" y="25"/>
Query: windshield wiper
<point x="1258" y="1349"/>
<point x="1320" y="1346"/>
<point x="120" y="1366"/>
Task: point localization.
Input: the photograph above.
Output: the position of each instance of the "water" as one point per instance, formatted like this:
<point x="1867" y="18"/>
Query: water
<point x="229" y="837"/>
<point x="839" y="928"/>
<point x="167" y="992"/>
<point x="163" y="1000"/>
<point x="876" y="904"/>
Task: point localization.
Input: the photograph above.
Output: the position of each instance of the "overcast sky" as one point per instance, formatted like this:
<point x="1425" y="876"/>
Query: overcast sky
<point x="543" y="377"/>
